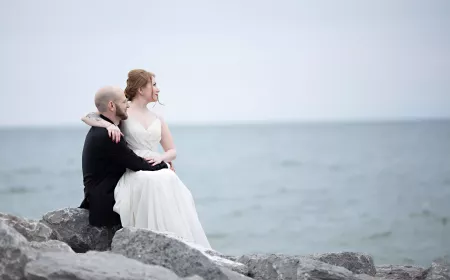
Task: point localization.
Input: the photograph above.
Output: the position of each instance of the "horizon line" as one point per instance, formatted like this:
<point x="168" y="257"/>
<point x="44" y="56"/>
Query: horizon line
<point x="256" y="122"/>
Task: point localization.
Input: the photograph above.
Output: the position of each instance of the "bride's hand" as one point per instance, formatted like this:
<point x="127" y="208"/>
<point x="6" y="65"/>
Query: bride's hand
<point x="154" y="160"/>
<point x="114" y="133"/>
<point x="171" y="167"/>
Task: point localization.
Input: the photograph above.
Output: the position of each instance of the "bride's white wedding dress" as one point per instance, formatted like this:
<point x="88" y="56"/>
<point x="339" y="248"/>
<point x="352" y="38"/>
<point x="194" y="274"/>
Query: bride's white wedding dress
<point x="156" y="200"/>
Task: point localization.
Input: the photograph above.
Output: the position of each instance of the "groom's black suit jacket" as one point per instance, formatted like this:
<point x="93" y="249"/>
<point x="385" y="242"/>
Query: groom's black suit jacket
<point x="104" y="162"/>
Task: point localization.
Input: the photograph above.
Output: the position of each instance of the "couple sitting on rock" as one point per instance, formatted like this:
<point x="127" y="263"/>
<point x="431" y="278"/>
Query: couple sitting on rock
<point x="127" y="183"/>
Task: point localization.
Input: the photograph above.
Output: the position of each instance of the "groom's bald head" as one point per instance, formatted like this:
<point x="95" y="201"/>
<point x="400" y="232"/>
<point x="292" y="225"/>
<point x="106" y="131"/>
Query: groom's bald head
<point x="106" y="94"/>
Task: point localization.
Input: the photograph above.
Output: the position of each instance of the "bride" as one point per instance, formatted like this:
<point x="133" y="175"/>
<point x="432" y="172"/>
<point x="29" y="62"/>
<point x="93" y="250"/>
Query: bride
<point x="155" y="200"/>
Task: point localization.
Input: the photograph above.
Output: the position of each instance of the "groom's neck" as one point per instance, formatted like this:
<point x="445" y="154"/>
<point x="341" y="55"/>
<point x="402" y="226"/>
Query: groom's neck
<point x="112" y="117"/>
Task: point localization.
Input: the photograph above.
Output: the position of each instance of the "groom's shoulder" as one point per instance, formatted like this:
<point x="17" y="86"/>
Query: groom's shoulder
<point x="97" y="134"/>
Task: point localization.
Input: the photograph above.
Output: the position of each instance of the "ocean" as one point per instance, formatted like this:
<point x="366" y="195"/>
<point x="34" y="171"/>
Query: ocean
<point x="292" y="188"/>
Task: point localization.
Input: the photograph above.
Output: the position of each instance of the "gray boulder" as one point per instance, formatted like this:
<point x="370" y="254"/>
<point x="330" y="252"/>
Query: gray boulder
<point x="93" y="265"/>
<point x="400" y="272"/>
<point x="32" y="230"/>
<point x="358" y="263"/>
<point x="232" y="275"/>
<point x="14" y="253"/>
<point x="440" y="269"/>
<point x="313" y="269"/>
<point x="283" y="267"/>
<point x="368" y="277"/>
<point x="50" y="246"/>
<point x="214" y="253"/>
<point x="223" y="260"/>
<point x="163" y="249"/>
<point x="71" y="226"/>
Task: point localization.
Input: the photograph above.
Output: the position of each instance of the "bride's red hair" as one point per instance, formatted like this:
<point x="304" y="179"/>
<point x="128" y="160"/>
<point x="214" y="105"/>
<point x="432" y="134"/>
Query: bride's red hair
<point x="137" y="78"/>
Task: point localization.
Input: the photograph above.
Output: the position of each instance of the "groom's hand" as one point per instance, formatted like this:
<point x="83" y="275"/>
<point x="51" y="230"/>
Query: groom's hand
<point x="154" y="160"/>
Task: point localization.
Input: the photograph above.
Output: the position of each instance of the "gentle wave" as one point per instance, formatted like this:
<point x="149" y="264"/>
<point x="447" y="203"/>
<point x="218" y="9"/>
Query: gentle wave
<point x="16" y="190"/>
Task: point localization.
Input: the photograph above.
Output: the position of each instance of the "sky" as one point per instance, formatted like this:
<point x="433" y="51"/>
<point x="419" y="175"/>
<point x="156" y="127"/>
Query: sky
<point x="231" y="61"/>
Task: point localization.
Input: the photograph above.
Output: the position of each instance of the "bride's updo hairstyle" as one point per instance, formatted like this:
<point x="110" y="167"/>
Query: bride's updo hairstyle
<point x="137" y="78"/>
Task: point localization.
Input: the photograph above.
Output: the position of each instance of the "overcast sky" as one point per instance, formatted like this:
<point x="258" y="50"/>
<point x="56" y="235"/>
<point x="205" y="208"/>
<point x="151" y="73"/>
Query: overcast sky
<point x="228" y="61"/>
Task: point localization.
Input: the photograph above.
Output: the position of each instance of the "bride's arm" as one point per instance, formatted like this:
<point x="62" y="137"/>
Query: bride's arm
<point x="170" y="153"/>
<point x="93" y="119"/>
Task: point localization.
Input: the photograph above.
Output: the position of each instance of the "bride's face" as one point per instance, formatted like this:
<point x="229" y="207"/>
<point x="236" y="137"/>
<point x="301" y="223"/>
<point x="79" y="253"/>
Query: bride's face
<point x="151" y="91"/>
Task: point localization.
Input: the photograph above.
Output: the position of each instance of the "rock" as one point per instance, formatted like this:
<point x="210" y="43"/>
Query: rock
<point x="213" y="253"/>
<point x="93" y="265"/>
<point x="313" y="269"/>
<point x="28" y="251"/>
<point x="217" y="258"/>
<point x="267" y="266"/>
<point x="358" y="263"/>
<point x="151" y="247"/>
<point x="231" y="265"/>
<point x="14" y="253"/>
<point x="32" y="230"/>
<point x="10" y="237"/>
<point x="195" y="277"/>
<point x="400" y="272"/>
<point x="368" y="277"/>
<point x="71" y="226"/>
<point x="223" y="260"/>
<point x="283" y="267"/>
<point x="440" y="269"/>
<point x="232" y="275"/>
<point x="51" y="246"/>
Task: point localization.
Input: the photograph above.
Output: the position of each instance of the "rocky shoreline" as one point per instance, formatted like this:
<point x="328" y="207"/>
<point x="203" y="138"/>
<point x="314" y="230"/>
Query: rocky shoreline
<point x="62" y="245"/>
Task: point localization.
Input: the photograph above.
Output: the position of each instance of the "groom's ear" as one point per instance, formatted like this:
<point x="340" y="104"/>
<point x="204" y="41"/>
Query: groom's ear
<point x="110" y="105"/>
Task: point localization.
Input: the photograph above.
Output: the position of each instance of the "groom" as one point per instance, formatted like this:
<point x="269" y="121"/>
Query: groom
<point x="105" y="161"/>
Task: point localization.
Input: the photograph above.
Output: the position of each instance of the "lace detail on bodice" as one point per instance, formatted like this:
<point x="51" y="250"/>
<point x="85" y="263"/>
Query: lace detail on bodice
<point x="143" y="141"/>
